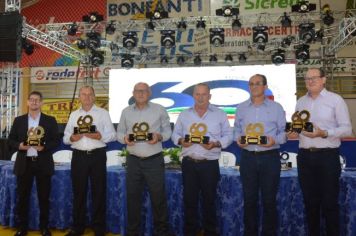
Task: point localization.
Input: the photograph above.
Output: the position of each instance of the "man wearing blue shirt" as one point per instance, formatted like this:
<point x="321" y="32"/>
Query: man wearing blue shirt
<point x="200" y="167"/>
<point x="260" y="163"/>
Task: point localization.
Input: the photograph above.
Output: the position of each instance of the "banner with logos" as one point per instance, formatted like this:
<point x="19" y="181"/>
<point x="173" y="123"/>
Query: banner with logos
<point x="59" y="108"/>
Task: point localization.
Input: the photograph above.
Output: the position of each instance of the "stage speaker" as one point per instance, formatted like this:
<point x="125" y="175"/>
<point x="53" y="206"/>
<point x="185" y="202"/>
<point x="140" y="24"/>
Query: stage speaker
<point x="10" y="36"/>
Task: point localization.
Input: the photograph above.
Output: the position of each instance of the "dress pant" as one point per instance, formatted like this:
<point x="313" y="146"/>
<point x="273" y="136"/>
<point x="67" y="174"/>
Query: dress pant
<point x="319" y="172"/>
<point x="140" y="172"/>
<point x="200" y="178"/>
<point x="260" y="173"/>
<point x="24" y="186"/>
<point x="89" y="166"/>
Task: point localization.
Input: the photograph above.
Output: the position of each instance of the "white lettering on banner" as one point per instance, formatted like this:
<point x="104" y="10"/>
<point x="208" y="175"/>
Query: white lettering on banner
<point x="66" y="74"/>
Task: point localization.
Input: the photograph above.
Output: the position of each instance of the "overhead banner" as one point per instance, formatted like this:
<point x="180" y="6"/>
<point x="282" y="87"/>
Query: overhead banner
<point x="343" y="65"/>
<point x="59" y="108"/>
<point x="67" y="74"/>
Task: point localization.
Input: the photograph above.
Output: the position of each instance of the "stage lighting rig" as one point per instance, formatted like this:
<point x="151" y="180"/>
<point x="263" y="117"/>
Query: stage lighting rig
<point x="27" y="46"/>
<point x="129" y="40"/>
<point x="303" y="7"/>
<point x="307" y="32"/>
<point x="81" y="44"/>
<point x="180" y="60"/>
<point x="72" y="30"/>
<point x="110" y="28"/>
<point x="93" y="17"/>
<point x="127" y="61"/>
<point x="260" y="34"/>
<point x="242" y="58"/>
<point x="97" y="58"/>
<point x="286" y="21"/>
<point x="287" y="41"/>
<point x="217" y="37"/>
<point x="164" y="60"/>
<point x="236" y="24"/>
<point x="302" y="52"/>
<point x="227" y="11"/>
<point x="197" y="60"/>
<point x="168" y="38"/>
<point x="327" y="15"/>
<point x="182" y="26"/>
<point x="150" y="26"/>
<point x="93" y="40"/>
<point x="200" y="26"/>
<point x="157" y="15"/>
<point x="229" y="58"/>
<point x="213" y="59"/>
<point x="278" y="57"/>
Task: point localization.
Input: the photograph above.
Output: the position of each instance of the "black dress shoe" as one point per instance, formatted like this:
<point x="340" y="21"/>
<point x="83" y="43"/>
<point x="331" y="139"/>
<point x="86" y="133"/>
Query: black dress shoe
<point x="45" y="232"/>
<point x="72" y="233"/>
<point x="21" y="233"/>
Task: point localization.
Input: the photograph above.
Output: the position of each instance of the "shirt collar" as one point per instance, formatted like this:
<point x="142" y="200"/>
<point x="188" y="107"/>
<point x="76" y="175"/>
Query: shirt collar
<point x="135" y="107"/>
<point x="322" y="93"/>
<point x="265" y="102"/>
<point x="93" y="108"/>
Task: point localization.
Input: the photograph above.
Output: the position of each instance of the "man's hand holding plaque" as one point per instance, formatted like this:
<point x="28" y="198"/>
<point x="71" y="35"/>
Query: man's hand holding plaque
<point x="85" y="125"/>
<point x="197" y="133"/>
<point x="35" y="136"/>
<point x="254" y="135"/>
<point x="140" y="132"/>
<point x="300" y="122"/>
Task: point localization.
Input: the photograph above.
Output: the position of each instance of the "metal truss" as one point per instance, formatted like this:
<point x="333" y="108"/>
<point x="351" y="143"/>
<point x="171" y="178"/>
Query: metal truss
<point x="347" y="31"/>
<point x="53" y="43"/>
<point x="12" y="5"/>
<point x="9" y="87"/>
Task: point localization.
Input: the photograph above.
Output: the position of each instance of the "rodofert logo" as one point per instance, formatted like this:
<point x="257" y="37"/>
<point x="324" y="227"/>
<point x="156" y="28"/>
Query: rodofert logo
<point x="40" y="75"/>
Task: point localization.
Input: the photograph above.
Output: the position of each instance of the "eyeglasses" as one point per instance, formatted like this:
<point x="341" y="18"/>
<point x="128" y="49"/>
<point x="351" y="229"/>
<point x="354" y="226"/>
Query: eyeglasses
<point x="313" y="78"/>
<point x="255" y="84"/>
<point x="34" y="100"/>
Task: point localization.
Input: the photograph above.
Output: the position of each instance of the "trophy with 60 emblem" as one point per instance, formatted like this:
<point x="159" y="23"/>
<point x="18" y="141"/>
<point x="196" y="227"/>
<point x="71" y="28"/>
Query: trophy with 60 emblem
<point x="300" y="122"/>
<point x="140" y="132"/>
<point x="85" y="125"/>
<point x="197" y="133"/>
<point x="35" y="136"/>
<point x="254" y="134"/>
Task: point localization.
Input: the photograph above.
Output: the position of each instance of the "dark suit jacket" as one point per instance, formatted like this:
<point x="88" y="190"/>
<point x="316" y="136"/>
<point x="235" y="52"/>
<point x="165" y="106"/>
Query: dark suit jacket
<point x="51" y="139"/>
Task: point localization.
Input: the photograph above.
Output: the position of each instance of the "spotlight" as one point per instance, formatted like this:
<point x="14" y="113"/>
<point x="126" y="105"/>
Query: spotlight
<point x="217" y="37"/>
<point x="97" y="58"/>
<point x="302" y="52"/>
<point x="110" y="28"/>
<point x="180" y="60"/>
<point x="260" y="34"/>
<point x="182" y="26"/>
<point x="261" y="47"/>
<point x="81" y="44"/>
<point x="227" y="11"/>
<point x="93" y="17"/>
<point x="72" y="30"/>
<point x="236" y="24"/>
<point x="213" y="59"/>
<point x="150" y="26"/>
<point x="286" y="21"/>
<point x="228" y="58"/>
<point x="168" y="39"/>
<point x="156" y="15"/>
<point x="197" y="60"/>
<point x="327" y="16"/>
<point x="307" y="32"/>
<point x="278" y="57"/>
<point x="27" y="46"/>
<point x="286" y="42"/>
<point x="93" y="40"/>
<point x="201" y="24"/>
<point x="127" y="61"/>
<point x="129" y="40"/>
<point x="242" y="58"/>
<point x="164" y="60"/>
<point x="303" y="7"/>
<point x="319" y="35"/>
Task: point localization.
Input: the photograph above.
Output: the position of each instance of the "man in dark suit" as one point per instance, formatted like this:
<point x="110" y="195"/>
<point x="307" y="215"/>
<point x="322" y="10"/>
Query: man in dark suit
<point x="34" y="136"/>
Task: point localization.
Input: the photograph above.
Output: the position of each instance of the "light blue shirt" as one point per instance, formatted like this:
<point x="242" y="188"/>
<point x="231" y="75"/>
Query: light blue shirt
<point x="218" y="129"/>
<point x="33" y="123"/>
<point x="269" y="113"/>
<point x="329" y="112"/>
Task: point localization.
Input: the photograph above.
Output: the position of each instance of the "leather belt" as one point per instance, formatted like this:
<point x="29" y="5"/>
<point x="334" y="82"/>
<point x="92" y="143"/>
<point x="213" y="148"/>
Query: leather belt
<point x="260" y="153"/>
<point x="89" y="152"/>
<point x="32" y="158"/>
<point x="196" y="160"/>
<point x="148" y="157"/>
<point x="314" y="149"/>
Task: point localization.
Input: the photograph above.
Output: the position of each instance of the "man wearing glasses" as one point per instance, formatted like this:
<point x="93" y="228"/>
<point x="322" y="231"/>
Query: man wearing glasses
<point x="318" y="157"/>
<point x="143" y="127"/>
<point x="260" y="162"/>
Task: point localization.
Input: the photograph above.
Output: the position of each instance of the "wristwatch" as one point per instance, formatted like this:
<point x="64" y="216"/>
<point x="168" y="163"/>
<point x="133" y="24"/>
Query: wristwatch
<point x="325" y="134"/>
